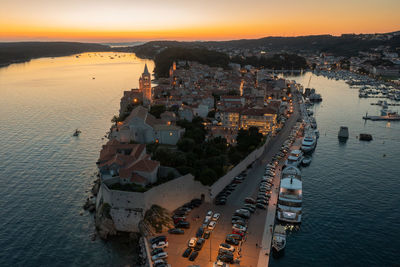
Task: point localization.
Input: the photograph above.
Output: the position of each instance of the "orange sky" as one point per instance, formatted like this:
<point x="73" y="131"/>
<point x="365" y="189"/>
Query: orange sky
<point x="132" y="20"/>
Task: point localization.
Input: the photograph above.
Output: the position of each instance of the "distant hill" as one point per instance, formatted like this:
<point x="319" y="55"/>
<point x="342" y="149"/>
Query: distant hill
<point x="25" y="51"/>
<point x="344" y="45"/>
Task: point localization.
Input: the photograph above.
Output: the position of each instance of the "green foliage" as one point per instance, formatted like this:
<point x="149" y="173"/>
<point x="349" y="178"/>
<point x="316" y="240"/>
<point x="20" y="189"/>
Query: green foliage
<point x="211" y="114"/>
<point x="157" y="110"/>
<point x="186" y="144"/>
<point x="207" y="176"/>
<point x="248" y="140"/>
<point x="164" y="59"/>
<point x="277" y="61"/>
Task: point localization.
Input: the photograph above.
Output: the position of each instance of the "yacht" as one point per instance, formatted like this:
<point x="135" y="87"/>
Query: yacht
<point x="279" y="241"/>
<point x="295" y="158"/>
<point x="308" y="144"/>
<point x="290" y="196"/>
<point x="343" y="134"/>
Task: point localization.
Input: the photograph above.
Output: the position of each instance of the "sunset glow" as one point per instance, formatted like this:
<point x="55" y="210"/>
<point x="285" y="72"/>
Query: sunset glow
<point x="131" y="20"/>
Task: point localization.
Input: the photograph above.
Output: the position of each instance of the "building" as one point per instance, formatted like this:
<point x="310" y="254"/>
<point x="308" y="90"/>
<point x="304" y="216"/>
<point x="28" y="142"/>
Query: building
<point x="263" y="118"/>
<point x="127" y="163"/>
<point x="142" y="127"/>
<point x="145" y="86"/>
<point x="132" y="97"/>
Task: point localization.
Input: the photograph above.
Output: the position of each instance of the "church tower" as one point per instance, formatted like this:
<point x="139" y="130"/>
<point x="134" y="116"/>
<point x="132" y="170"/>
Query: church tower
<point x="145" y="86"/>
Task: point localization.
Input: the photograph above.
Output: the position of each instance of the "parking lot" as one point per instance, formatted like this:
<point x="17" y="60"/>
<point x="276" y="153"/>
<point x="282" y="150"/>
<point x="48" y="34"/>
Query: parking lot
<point x="252" y="249"/>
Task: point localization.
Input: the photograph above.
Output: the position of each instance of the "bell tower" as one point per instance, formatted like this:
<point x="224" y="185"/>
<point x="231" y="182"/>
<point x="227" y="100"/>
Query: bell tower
<point x="145" y="86"/>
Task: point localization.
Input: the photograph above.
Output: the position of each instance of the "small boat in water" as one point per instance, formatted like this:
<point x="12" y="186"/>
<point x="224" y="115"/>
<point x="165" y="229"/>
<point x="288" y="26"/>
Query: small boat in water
<point x="316" y="133"/>
<point x="343" y="134"/>
<point x="76" y="133"/>
<point x="306" y="161"/>
<point x="279" y="241"/>
<point x="365" y="137"/>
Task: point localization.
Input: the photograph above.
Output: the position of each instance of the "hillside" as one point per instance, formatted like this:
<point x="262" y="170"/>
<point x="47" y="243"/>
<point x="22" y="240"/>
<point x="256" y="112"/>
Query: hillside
<point x="25" y="51"/>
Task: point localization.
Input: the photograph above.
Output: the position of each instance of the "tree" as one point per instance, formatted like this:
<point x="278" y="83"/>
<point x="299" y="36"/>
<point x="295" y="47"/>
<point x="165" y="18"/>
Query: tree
<point x="186" y="144"/>
<point x="157" y="110"/>
<point x="211" y="114"/>
<point x="207" y="176"/>
<point x="248" y="140"/>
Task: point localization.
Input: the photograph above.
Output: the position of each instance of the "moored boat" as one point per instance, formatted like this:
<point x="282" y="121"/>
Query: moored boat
<point x="279" y="241"/>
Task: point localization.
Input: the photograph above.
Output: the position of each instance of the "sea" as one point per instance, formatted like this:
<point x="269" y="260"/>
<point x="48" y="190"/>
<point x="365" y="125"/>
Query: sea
<point x="45" y="172"/>
<point x="351" y="191"/>
<point x="351" y="214"/>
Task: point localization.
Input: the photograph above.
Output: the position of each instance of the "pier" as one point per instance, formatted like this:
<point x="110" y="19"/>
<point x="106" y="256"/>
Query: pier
<point x="381" y="118"/>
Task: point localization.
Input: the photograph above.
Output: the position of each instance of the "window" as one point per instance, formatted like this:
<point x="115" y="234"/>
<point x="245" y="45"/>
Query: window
<point x="170" y="133"/>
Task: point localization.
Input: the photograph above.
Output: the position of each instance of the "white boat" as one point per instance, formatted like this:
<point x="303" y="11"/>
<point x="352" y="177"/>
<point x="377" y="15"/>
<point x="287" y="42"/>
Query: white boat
<point x="290" y="196"/>
<point x="306" y="161"/>
<point x="308" y="144"/>
<point x="279" y="241"/>
<point x="295" y="158"/>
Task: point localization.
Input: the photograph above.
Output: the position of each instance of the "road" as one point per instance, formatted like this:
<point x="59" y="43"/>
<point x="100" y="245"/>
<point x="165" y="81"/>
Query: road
<point x="258" y="237"/>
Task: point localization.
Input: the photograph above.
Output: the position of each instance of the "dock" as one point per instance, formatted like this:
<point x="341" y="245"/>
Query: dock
<point x="381" y="118"/>
<point x="389" y="104"/>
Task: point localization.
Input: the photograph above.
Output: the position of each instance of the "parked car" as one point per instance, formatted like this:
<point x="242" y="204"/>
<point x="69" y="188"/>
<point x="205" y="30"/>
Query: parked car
<point x="237" y="232"/>
<point x="192" y="242"/>
<point x="161" y="255"/>
<point x="156" y="251"/>
<point x="207" y="234"/>
<point x="182" y="224"/>
<point x="231" y="241"/>
<point x="216" y="216"/>
<point x="193" y="256"/>
<point x="242" y="213"/>
<point x="176" y="231"/>
<point x="178" y="219"/>
<point x="228" y="247"/>
<point x="239" y="227"/>
<point x="199" y="232"/>
<point x="187" y="252"/>
<point x="158" y="239"/>
<point x="252" y="210"/>
<point x="261" y="206"/>
<point x="161" y="244"/>
<point x="220" y="201"/>
<point x="209" y="215"/>
<point x="225" y="258"/>
<point x="240" y="222"/>
<point x="249" y="200"/>
<point x="199" y="244"/>
<point x="212" y="225"/>
<point x="160" y="263"/>
<point x="235" y="236"/>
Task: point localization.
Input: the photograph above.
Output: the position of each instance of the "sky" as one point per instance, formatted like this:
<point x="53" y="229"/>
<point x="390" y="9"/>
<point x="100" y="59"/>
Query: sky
<point x="133" y="20"/>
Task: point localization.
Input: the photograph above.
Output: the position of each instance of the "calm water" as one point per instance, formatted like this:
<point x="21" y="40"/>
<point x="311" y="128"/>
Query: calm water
<point x="44" y="171"/>
<point x="351" y="192"/>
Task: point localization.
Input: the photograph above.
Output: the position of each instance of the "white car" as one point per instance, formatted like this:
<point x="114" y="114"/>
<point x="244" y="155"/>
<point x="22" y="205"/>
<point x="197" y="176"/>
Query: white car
<point x="192" y="242"/>
<point x="161" y="244"/>
<point x="209" y="215"/>
<point x="212" y="225"/>
<point x="161" y="255"/>
<point x="216" y="216"/>
<point x="227" y="247"/>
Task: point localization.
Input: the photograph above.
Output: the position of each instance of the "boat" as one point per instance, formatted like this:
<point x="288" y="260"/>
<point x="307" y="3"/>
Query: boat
<point x="315" y="97"/>
<point x="295" y="158"/>
<point x="365" y="137"/>
<point x="313" y="122"/>
<point x="76" y="133"/>
<point x="306" y="161"/>
<point x="279" y="241"/>
<point x="343" y="134"/>
<point x="386" y="115"/>
<point x="308" y="144"/>
<point x="290" y="199"/>
<point x="316" y="133"/>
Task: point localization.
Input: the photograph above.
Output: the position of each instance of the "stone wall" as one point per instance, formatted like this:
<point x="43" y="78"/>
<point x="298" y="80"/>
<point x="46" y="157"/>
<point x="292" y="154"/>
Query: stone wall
<point x="227" y="178"/>
<point x="128" y="208"/>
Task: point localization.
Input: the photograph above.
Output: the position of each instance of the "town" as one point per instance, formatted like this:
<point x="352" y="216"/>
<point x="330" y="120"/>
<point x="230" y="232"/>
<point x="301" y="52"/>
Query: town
<point x="211" y="138"/>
